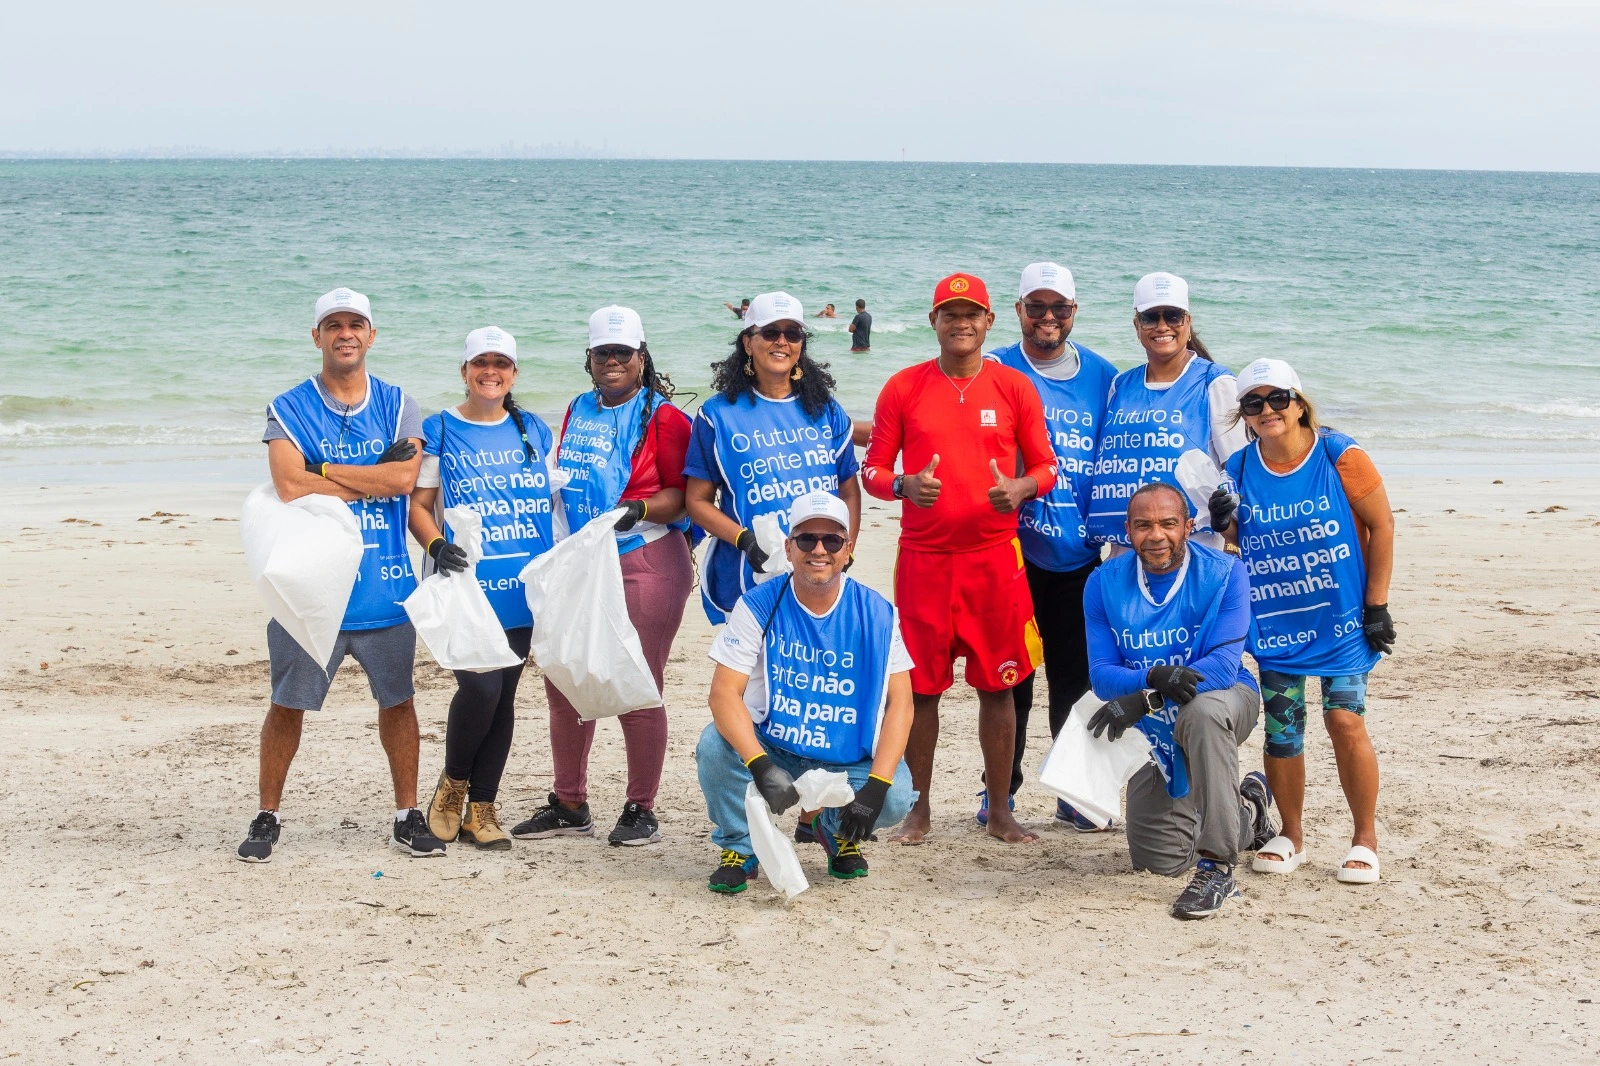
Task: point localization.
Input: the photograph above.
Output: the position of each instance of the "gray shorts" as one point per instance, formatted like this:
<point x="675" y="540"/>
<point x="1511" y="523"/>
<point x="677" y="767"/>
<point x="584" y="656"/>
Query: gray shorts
<point x="387" y="655"/>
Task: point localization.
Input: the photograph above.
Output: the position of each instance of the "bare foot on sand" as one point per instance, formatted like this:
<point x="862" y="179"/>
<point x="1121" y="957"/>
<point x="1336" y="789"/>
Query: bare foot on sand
<point x="914" y="830"/>
<point x="1003" y="826"/>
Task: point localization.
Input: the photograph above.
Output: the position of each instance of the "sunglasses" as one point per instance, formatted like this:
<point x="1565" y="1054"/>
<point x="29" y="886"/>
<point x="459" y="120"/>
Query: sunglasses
<point x="601" y="356"/>
<point x="1277" y="399"/>
<point x="1173" y="316"/>
<point x="792" y="334"/>
<point x="1062" y="311"/>
<point x="832" y="543"/>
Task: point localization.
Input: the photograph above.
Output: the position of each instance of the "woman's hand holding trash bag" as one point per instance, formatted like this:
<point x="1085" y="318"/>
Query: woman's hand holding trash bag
<point x="752" y="550"/>
<point x="1222" y="505"/>
<point x="633" y="511"/>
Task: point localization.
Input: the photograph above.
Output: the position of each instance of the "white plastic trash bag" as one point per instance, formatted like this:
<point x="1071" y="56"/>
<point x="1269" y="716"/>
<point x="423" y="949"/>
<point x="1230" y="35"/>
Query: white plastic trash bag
<point x="770" y="536"/>
<point x="451" y="613"/>
<point x="583" y="639"/>
<point x="303" y="557"/>
<point x="1199" y="477"/>
<point x="773" y="848"/>
<point x="1087" y="772"/>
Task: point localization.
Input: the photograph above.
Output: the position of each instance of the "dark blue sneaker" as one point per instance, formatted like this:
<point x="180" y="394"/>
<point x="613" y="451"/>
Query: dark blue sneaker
<point x="1208" y="890"/>
<point x="1066" y="814"/>
<point x="803" y="833"/>
<point x="1254" y="791"/>
<point x="982" y="817"/>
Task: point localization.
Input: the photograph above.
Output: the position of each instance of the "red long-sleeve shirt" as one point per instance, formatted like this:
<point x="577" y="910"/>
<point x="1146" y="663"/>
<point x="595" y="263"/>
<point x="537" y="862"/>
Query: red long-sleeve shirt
<point x="921" y="414"/>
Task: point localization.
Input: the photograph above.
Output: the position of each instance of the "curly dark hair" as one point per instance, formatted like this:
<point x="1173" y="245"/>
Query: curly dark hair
<point x="815" y="387"/>
<point x="653" y="383"/>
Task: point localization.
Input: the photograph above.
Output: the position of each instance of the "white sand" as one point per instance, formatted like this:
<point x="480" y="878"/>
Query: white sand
<point x="131" y="930"/>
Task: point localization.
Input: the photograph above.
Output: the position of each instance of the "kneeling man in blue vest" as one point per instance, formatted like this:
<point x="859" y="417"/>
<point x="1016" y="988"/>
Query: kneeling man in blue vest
<point x="1166" y="625"/>
<point x="811" y="673"/>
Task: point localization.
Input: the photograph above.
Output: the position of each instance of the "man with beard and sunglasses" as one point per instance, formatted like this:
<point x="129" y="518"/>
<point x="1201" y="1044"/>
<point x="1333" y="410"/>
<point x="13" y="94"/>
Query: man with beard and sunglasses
<point x="1166" y="625"/>
<point x="811" y="674"/>
<point x="344" y="433"/>
<point x="1073" y="382"/>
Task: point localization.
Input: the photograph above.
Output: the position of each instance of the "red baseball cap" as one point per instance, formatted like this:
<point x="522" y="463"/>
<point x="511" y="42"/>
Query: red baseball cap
<point x="961" y="287"/>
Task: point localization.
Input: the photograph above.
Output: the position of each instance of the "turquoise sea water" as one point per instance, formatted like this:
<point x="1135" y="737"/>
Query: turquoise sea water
<point x="149" y="310"/>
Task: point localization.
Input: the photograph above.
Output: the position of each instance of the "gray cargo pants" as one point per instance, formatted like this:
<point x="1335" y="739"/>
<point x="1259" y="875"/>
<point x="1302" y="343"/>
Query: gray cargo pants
<point x="1165" y="834"/>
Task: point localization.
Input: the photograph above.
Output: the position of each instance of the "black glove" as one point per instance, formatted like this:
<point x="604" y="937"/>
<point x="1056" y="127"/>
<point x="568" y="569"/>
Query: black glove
<point x="1176" y="683"/>
<point x="774" y="783"/>
<point x="1115" y="717"/>
<point x="449" y="558"/>
<point x="1222" y="506"/>
<point x="1378" y="627"/>
<point x="633" y="511"/>
<point x="314" y="468"/>
<point x="857" y="820"/>
<point x="752" y="550"/>
<point x="400" y="451"/>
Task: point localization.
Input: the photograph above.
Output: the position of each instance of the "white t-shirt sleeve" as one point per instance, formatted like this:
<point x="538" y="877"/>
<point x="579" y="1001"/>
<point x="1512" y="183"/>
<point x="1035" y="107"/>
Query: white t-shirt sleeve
<point x="899" y="658"/>
<point x="738" y="645"/>
<point x="1225" y="439"/>
<point x="428" y="476"/>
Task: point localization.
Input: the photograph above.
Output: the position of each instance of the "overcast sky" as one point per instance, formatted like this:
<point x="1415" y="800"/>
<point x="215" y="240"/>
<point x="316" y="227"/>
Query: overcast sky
<point x="1487" y="84"/>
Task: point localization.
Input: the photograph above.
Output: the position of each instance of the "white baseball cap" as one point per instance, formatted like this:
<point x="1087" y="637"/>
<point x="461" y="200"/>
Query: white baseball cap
<point x="1273" y="372"/>
<point x="772" y="307"/>
<point x="341" y="299"/>
<point x="616" y="325"/>
<point x="489" y="339"/>
<point x="1051" y="276"/>
<point x="1160" y="290"/>
<point x="818" y="504"/>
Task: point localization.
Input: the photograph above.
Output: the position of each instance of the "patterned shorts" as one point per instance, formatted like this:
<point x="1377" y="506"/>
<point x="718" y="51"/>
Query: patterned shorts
<point x="1284" y="697"/>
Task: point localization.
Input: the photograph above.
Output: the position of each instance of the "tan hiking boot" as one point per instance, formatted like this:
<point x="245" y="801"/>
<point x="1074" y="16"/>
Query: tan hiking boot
<point x="482" y="827"/>
<point x="444" y="810"/>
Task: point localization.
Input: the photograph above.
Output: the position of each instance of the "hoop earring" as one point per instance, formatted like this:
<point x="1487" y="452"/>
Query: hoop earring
<point x="796" y="374"/>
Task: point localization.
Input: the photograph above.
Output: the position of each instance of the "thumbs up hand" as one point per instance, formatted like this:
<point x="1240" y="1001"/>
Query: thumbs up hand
<point x="922" y="489"/>
<point x="1009" y="493"/>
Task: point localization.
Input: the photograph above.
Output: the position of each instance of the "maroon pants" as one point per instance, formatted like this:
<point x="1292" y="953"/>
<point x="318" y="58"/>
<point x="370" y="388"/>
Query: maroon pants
<point x="656" y="580"/>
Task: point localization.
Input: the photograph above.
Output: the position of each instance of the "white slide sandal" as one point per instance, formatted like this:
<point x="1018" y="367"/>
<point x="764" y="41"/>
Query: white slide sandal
<point x="1278" y="845"/>
<point x="1354" y="875"/>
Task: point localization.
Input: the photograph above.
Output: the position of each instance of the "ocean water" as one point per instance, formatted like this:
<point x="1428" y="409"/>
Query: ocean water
<point x="149" y="310"/>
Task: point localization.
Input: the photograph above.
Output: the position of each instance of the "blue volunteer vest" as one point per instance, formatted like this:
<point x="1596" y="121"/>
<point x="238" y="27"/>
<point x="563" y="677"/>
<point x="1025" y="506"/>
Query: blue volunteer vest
<point x="597" y="446"/>
<point x="1144" y="433"/>
<point x="767" y="452"/>
<point x="1308" y="580"/>
<point x="1177" y="631"/>
<point x="488" y="468"/>
<point x="827" y="678"/>
<point x="356" y="438"/>
<point x="1054" y="529"/>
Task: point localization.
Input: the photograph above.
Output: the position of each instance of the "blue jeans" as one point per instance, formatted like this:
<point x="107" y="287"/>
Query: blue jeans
<point x="723" y="779"/>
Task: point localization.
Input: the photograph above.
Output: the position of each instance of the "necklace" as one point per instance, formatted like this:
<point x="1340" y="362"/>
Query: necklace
<point x="961" y="392"/>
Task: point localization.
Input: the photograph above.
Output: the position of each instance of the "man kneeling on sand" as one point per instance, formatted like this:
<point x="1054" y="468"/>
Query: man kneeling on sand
<point x="811" y="673"/>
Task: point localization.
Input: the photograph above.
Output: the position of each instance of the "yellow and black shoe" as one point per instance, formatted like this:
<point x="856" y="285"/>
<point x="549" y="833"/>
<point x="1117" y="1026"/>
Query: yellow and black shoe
<point x="482" y="827"/>
<point x="733" y="873"/>
<point x="845" y="860"/>
<point x="444" y="810"/>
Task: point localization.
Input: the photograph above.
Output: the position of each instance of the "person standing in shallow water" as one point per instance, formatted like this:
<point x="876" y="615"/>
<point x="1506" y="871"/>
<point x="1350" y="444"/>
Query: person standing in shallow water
<point x="861" y="329"/>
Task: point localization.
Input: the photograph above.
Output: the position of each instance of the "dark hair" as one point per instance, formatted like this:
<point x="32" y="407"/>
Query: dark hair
<point x="654" y="384"/>
<point x="1198" y="348"/>
<point x="861" y="305"/>
<point x="522" y="427"/>
<point x="1153" y="487"/>
<point x="815" y="387"/>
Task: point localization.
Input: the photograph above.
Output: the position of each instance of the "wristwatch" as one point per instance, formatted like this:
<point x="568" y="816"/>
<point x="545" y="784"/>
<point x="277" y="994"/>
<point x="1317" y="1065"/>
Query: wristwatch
<point x="1153" y="699"/>
<point x="897" y="486"/>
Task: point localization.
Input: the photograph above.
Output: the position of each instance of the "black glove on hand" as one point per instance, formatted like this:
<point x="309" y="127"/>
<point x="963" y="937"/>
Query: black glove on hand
<point x="774" y="783"/>
<point x="1176" y="683"/>
<point x="1222" y="506"/>
<point x="634" y="510"/>
<point x="401" y="451"/>
<point x="1378" y="627"/>
<point x="858" y="819"/>
<point x="752" y="550"/>
<point x="449" y="558"/>
<point x="314" y="468"/>
<point x="1115" y="717"/>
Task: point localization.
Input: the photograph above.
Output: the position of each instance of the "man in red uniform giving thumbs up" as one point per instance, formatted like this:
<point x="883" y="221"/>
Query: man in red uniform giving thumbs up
<point x="962" y="425"/>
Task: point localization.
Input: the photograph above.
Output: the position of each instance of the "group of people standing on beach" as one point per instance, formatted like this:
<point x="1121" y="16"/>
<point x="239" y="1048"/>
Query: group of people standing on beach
<point x="1044" y="522"/>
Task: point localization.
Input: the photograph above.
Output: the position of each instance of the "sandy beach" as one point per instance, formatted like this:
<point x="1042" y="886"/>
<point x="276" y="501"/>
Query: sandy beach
<point x="136" y="676"/>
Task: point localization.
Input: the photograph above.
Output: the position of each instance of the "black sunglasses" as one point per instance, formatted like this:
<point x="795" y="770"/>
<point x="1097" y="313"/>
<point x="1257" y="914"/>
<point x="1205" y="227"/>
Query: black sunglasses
<point x="617" y="354"/>
<point x="792" y="334"/>
<point x="1277" y="399"/>
<point x="1062" y="311"/>
<point x="1173" y="316"/>
<point x="832" y="543"/>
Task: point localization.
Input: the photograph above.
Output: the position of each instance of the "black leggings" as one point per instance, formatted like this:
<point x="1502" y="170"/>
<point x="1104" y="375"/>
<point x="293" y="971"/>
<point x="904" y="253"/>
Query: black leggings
<point x="483" y="712"/>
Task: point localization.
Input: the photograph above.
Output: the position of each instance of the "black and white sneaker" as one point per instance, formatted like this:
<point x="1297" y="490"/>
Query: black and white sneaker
<point x="413" y="836"/>
<point x="1208" y="890"/>
<point x="257" y="846"/>
<point x="554" y="820"/>
<point x="636" y="827"/>
<point x="1255" y="792"/>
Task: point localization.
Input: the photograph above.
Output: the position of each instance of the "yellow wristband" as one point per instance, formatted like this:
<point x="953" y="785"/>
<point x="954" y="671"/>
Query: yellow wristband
<point x="752" y="759"/>
<point x="875" y="777"/>
<point x="324" y="471"/>
<point x="431" y="543"/>
<point x="646" y="510"/>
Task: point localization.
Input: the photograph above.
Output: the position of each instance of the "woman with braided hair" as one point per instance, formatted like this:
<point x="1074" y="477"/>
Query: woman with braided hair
<point x="495" y="458"/>
<point x="623" y="444"/>
<point x="771" y="434"/>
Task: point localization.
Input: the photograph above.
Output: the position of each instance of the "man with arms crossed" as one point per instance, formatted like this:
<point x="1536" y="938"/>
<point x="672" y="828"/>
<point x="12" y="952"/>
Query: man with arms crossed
<point x="1166" y="627"/>
<point x="811" y="672"/>
<point x="962" y="425"/>
<point x="344" y="433"/>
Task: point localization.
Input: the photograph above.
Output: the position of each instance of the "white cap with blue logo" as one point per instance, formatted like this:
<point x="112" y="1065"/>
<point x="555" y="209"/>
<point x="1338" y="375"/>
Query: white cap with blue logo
<point x="818" y="504"/>
<point x="341" y="299"/>
<point x="1160" y="290"/>
<point x="487" y="339"/>
<point x="1048" y="276"/>
<point x="772" y="307"/>
<point x="616" y="325"/>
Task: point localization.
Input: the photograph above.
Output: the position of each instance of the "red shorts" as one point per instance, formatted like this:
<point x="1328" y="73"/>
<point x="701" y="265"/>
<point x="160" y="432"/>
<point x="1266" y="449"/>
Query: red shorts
<point x="974" y="604"/>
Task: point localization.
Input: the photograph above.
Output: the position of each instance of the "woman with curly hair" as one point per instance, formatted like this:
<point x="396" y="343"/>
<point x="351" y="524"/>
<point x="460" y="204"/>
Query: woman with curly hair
<point x="772" y="432"/>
